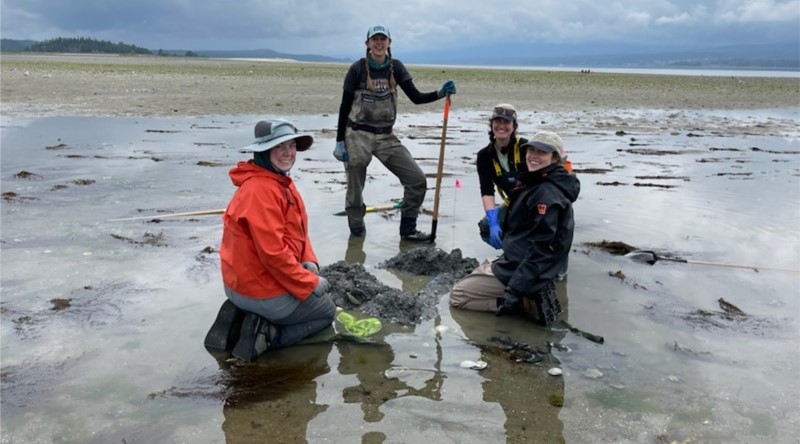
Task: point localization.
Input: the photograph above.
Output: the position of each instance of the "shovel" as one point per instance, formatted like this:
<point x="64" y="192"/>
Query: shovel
<point x="650" y="257"/>
<point x="376" y="209"/>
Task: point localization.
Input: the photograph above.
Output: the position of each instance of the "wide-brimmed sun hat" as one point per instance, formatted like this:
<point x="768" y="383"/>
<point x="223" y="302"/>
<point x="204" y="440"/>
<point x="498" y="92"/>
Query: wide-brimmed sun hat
<point x="504" y="111"/>
<point x="273" y="132"/>
<point x="378" y="29"/>
<point x="546" y="141"/>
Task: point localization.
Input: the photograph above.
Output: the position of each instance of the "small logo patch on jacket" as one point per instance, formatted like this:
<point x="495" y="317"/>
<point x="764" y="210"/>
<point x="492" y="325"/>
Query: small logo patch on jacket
<point x="542" y="208"/>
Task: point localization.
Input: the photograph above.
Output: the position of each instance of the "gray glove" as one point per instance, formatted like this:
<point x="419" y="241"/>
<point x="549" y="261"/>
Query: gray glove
<point x="310" y="266"/>
<point x="322" y="287"/>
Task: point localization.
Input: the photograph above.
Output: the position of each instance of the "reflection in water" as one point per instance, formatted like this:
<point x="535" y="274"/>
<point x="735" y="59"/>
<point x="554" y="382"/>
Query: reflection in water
<point x="530" y="398"/>
<point x="355" y="250"/>
<point x="379" y="381"/>
<point x="273" y="399"/>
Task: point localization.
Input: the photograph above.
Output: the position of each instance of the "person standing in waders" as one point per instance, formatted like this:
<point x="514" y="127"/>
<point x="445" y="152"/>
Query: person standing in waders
<point x="366" y="117"/>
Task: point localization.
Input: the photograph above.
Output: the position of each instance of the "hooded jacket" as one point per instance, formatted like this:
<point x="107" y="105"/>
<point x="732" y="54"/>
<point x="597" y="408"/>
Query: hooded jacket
<point x="538" y="230"/>
<point x="265" y="236"/>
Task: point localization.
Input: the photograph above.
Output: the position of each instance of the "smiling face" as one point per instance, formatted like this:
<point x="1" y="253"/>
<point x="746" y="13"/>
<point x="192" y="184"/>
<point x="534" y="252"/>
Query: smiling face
<point x="502" y="130"/>
<point x="378" y="44"/>
<point x="284" y="155"/>
<point x="537" y="159"/>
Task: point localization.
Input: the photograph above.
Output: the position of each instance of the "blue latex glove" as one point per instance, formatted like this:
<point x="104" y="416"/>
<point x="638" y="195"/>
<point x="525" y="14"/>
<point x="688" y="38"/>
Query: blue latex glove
<point x="340" y="152"/>
<point x="511" y="304"/>
<point x="495" y="232"/>
<point x="322" y="287"/>
<point x="448" y="87"/>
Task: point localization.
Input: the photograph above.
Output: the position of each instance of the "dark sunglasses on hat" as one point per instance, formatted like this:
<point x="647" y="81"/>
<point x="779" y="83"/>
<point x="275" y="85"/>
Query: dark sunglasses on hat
<point x="504" y="112"/>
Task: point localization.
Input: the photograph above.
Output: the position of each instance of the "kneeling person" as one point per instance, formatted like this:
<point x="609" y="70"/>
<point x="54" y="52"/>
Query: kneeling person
<point x="269" y="267"/>
<point x="538" y="233"/>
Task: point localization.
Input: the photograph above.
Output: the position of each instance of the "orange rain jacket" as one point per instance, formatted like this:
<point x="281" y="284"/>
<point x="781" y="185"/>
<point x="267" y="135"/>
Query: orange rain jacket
<point x="265" y="236"/>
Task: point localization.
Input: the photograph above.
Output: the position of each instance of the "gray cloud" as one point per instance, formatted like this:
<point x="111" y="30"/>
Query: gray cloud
<point x="337" y="27"/>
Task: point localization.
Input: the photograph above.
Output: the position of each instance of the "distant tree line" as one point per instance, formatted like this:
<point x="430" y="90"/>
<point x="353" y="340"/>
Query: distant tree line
<point x="164" y="53"/>
<point x="86" y="45"/>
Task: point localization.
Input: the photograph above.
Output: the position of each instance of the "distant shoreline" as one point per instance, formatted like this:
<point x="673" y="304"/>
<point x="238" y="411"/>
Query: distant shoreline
<point x="104" y="85"/>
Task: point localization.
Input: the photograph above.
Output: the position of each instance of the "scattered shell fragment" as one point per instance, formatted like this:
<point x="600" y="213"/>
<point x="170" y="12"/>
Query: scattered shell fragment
<point x="395" y="372"/>
<point x="592" y="373"/>
<point x="673" y="378"/>
<point x="354" y="300"/>
<point x="474" y="365"/>
<point x="555" y="371"/>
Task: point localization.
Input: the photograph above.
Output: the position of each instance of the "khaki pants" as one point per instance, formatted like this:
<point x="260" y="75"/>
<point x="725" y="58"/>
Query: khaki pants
<point x="361" y="146"/>
<point x="478" y="291"/>
<point x="482" y="291"/>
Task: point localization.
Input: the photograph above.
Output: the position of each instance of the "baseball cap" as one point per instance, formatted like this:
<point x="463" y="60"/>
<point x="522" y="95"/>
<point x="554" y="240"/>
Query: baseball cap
<point x="504" y="111"/>
<point x="546" y="141"/>
<point x="378" y="29"/>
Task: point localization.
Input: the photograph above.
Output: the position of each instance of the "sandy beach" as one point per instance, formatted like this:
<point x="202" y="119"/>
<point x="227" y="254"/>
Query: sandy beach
<point x="108" y="85"/>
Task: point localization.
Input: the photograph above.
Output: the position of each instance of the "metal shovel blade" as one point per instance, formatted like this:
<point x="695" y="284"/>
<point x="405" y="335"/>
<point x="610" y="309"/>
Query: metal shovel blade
<point x="644" y="257"/>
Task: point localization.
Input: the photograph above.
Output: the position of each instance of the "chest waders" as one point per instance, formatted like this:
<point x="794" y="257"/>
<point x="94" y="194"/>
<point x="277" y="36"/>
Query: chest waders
<point x="498" y="171"/>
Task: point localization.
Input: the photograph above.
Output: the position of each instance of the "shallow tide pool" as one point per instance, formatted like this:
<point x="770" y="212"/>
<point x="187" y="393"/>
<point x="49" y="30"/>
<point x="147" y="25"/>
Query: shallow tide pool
<point x="102" y="322"/>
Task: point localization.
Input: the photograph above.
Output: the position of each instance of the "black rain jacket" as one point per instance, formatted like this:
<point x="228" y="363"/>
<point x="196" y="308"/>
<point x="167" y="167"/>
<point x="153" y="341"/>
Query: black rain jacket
<point x="538" y="230"/>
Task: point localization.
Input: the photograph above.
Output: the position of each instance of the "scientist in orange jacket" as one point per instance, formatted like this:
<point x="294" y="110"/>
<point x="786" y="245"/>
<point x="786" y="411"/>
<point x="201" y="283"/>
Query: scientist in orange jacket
<point x="269" y="267"/>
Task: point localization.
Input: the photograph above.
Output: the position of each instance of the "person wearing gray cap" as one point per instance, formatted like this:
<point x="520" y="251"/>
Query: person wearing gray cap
<point x="538" y="233"/>
<point x="269" y="269"/>
<point x="499" y="164"/>
<point x="366" y="116"/>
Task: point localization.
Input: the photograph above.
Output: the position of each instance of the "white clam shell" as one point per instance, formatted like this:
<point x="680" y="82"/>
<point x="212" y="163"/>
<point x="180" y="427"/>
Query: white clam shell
<point x="555" y="371"/>
<point x="593" y="373"/>
<point x="474" y="365"/>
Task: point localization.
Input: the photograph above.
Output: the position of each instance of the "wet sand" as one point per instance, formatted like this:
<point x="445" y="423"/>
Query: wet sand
<point x="692" y="182"/>
<point x="107" y="85"/>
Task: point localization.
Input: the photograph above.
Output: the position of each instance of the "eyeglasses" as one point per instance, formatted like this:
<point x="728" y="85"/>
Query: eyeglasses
<point x="505" y="112"/>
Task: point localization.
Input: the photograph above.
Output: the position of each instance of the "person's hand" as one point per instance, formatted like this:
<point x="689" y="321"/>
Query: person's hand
<point x="495" y="232"/>
<point x="322" y="287"/>
<point x="340" y="152"/>
<point x="310" y="266"/>
<point x="449" y="87"/>
<point x="511" y="304"/>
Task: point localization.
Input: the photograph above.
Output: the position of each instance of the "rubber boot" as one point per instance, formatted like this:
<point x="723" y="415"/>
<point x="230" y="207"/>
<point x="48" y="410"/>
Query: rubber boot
<point x="255" y="338"/>
<point x="225" y="330"/>
<point x="544" y="307"/>
<point x="409" y="232"/>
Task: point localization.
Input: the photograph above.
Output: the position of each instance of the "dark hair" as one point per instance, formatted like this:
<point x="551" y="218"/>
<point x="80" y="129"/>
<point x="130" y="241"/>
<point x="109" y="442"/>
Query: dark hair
<point x="511" y="137"/>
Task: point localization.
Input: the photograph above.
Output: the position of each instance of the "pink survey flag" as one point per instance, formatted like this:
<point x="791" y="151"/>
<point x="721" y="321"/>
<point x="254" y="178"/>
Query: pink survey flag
<point x="458" y="183"/>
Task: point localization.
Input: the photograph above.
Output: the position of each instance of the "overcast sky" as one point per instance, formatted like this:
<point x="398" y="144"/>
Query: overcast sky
<point x="337" y="27"/>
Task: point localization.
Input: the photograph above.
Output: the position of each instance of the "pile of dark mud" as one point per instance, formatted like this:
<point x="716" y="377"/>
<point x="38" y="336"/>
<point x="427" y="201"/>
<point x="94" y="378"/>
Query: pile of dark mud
<point x="354" y="288"/>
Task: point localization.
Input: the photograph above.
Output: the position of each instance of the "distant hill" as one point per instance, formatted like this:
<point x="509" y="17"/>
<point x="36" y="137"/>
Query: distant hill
<point x="784" y="56"/>
<point x="85" y="45"/>
<point x="269" y="54"/>
<point x="755" y="56"/>
<point x="11" y="45"/>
